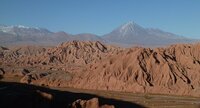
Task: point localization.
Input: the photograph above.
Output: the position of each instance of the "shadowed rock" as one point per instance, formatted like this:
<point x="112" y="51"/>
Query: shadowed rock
<point x="16" y="95"/>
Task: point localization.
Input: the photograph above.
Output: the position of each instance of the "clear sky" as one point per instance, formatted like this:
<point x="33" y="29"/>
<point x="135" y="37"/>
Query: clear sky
<point x="102" y="16"/>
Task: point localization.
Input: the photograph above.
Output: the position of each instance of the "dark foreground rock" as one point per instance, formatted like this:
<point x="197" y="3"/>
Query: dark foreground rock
<point x="92" y="103"/>
<point x="17" y="95"/>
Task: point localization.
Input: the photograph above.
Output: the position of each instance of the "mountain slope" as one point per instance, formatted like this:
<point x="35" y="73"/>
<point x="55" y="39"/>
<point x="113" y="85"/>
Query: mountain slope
<point x="21" y="35"/>
<point x="87" y="37"/>
<point x="70" y="53"/>
<point x="173" y="70"/>
<point x="133" y="34"/>
<point x="129" y="34"/>
<point x="15" y="35"/>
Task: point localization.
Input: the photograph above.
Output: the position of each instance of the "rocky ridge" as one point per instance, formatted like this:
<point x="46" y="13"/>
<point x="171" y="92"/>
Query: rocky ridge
<point x="174" y="70"/>
<point x="92" y="65"/>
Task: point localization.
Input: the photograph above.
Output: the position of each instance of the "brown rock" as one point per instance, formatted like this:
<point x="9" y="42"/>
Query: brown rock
<point x="14" y="71"/>
<point x="47" y="78"/>
<point x="45" y="95"/>
<point x="70" y="54"/>
<point x="107" y="106"/>
<point x="92" y="103"/>
<point x="174" y="70"/>
<point x="2" y="72"/>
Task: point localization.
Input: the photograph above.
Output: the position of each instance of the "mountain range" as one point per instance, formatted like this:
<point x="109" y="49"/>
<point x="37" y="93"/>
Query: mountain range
<point x="128" y="34"/>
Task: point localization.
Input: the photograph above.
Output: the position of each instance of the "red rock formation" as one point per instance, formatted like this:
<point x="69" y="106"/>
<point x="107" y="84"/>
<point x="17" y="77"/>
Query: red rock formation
<point x="47" y="78"/>
<point x="173" y="70"/>
<point x="91" y="65"/>
<point x="24" y="55"/>
<point x="75" y="53"/>
<point x="13" y="71"/>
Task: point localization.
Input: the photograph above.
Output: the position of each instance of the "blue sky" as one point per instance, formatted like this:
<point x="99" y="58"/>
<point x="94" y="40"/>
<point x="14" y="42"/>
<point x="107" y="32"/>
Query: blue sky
<point x="102" y="16"/>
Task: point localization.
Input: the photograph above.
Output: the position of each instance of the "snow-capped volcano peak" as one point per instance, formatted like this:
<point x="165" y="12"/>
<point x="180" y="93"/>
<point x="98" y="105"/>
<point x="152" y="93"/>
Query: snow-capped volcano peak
<point x="128" y="24"/>
<point x="132" y="33"/>
<point x="129" y="28"/>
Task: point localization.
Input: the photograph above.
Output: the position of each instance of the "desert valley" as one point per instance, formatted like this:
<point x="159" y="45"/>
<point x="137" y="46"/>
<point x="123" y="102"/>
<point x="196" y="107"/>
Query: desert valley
<point x="129" y="67"/>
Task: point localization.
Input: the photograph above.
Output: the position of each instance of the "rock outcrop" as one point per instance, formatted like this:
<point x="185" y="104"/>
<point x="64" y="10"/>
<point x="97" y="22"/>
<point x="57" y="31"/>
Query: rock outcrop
<point x="76" y="53"/>
<point x="22" y="55"/>
<point x="92" y="103"/>
<point x="13" y="71"/>
<point x="47" y="78"/>
<point x="174" y="70"/>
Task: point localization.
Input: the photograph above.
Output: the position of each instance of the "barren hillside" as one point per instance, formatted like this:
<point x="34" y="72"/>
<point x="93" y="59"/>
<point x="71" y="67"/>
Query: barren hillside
<point x="92" y="65"/>
<point x="173" y="70"/>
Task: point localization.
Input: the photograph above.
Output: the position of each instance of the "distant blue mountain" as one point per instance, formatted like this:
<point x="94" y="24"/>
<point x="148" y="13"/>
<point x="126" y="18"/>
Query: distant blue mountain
<point x="128" y="34"/>
<point x="133" y="34"/>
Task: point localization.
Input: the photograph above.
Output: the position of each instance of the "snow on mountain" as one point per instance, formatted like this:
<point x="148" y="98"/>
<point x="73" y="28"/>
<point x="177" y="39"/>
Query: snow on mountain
<point x="128" y="34"/>
<point x="23" y="30"/>
<point x="133" y="34"/>
<point x="20" y="34"/>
